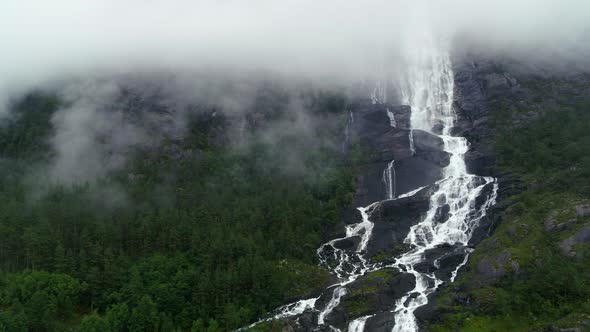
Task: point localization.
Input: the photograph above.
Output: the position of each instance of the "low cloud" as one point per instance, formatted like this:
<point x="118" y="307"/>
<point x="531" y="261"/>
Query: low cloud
<point x="217" y="52"/>
<point x="329" y="40"/>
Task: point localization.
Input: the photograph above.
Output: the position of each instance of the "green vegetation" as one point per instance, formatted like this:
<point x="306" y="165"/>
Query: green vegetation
<point x="542" y="288"/>
<point x="364" y="296"/>
<point x="209" y="242"/>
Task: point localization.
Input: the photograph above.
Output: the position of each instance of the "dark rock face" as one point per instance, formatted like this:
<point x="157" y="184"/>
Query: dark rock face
<point x="476" y="83"/>
<point x="442" y="261"/>
<point x="392" y="220"/>
<point x="487" y="223"/>
<point x="385" y="143"/>
<point x="374" y="292"/>
<point x="381" y="322"/>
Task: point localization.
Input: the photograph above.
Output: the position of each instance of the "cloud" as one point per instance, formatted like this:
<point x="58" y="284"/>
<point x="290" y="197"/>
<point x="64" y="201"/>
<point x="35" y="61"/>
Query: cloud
<point x="42" y="39"/>
<point x="49" y="44"/>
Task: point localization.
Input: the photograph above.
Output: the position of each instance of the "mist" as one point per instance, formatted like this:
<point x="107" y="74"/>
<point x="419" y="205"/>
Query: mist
<point x="326" y="40"/>
<point x="217" y="53"/>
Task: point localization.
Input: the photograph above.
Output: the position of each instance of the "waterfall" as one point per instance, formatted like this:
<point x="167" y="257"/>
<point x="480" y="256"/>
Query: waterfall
<point x="391" y="117"/>
<point x="428" y="89"/>
<point x="389" y="180"/>
<point x="358" y="325"/>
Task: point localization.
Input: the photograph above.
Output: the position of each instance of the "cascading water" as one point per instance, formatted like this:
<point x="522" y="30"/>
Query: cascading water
<point x="389" y="180"/>
<point x="428" y="89"/>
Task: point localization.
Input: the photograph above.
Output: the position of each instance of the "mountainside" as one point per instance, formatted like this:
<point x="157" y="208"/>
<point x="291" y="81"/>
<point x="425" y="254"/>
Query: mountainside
<point x="528" y="268"/>
<point x="209" y="224"/>
<point x="143" y="211"/>
<point x="529" y="128"/>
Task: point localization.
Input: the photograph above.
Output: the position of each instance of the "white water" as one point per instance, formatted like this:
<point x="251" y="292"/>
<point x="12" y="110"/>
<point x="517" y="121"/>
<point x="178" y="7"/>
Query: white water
<point x="389" y="180"/>
<point x="428" y="89"/>
<point x="358" y="325"/>
<point x="350" y="265"/>
<point x="391" y="117"/>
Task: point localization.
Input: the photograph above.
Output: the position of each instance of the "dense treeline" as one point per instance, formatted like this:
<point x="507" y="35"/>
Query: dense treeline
<point x="206" y="242"/>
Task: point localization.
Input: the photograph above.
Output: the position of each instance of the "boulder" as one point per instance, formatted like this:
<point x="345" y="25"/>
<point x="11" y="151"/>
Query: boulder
<point x="580" y="237"/>
<point x="425" y="142"/>
<point x="583" y="210"/>
<point x="393" y="218"/>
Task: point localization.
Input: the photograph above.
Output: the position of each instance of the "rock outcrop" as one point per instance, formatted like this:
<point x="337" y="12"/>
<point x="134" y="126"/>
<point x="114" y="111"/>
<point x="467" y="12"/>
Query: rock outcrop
<point x="477" y="82"/>
<point x="568" y="245"/>
<point x="413" y="169"/>
<point x="583" y="210"/>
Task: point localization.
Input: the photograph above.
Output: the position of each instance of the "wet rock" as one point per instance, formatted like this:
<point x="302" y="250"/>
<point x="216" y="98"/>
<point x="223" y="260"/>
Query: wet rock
<point x="373" y="292"/>
<point x="418" y="171"/>
<point x="580" y="237"/>
<point x="386" y="143"/>
<point x="352" y="216"/>
<point x="326" y="296"/>
<point x="486" y="223"/>
<point x="349" y="243"/>
<point x="442" y="260"/>
<point x="424" y="142"/>
<point x="370" y="116"/>
<point x="430" y="147"/>
<point x="442" y="214"/>
<point x="381" y="322"/>
<point x="306" y="322"/>
<point x="393" y="218"/>
<point x="402" y="116"/>
<point x="477" y="81"/>
<point x="438" y="128"/>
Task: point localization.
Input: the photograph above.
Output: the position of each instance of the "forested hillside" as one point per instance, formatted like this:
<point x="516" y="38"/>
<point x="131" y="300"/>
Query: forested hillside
<point x="205" y="239"/>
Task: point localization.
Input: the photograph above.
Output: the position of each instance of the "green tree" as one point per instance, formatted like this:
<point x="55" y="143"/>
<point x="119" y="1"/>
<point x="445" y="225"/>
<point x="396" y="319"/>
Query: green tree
<point x="117" y="316"/>
<point x="144" y="317"/>
<point x="13" y="320"/>
<point x="213" y="326"/>
<point x="94" y="323"/>
<point x="198" y="326"/>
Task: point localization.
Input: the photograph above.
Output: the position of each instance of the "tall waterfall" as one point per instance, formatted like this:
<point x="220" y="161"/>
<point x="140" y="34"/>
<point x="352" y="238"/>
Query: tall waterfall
<point x="428" y="89"/>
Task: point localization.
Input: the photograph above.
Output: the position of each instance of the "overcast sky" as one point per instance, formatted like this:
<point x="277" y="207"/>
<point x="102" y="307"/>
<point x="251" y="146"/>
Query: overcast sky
<point x="42" y="39"/>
